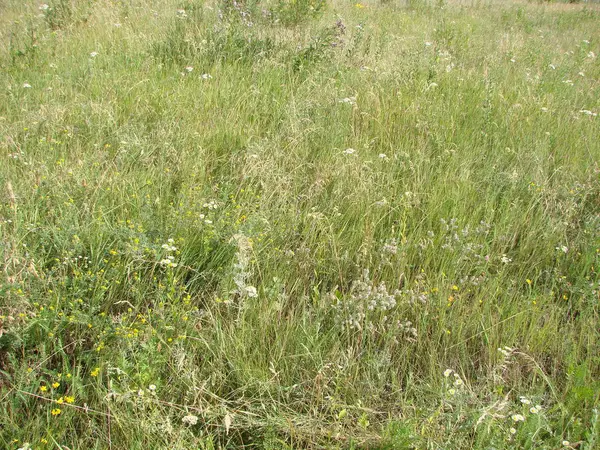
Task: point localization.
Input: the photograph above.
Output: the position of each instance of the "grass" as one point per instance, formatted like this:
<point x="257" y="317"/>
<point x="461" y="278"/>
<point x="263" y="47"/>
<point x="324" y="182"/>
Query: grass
<point x="299" y="225"/>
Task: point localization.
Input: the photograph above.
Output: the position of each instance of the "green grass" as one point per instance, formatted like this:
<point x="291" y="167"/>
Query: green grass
<point x="361" y="200"/>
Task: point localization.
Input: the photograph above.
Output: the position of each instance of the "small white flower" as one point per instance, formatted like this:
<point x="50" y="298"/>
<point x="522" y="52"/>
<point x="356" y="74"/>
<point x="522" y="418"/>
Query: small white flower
<point x="44" y="7"/>
<point x="348" y="100"/>
<point x="552" y="66"/>
<point x="382" y="155"/>
<point x="458" y="382"/>
<point x="581" y="74"/>
<point x="349" y="151"/>
<point x="525" y="401"/>
<point x="427" y="44"/>
<point x="534" y="410"/>
<point x="566" y="443"/>
<point x="517" y="418"/>
<point x="26" y="85"/>
<point x="569" y="82"/>
<point x="585" y="41"/>
<point x="451" y="391"/>
<point x="190" y="419"/>
<point x="513" y="60"/>
<point x="251" y="292"/>
<point x="93" y="54"/>
<point x="513" y="431"/>
<point x="208" y="222"/>
<point x="152" y="387"/>
<point x="206" y="76"/>
<point x="544" y="109"/>
<point x="505" y="259"/>
<point x="448" y="372"/>
<point x="591" y="55"/>
<point x="188" y="69"/>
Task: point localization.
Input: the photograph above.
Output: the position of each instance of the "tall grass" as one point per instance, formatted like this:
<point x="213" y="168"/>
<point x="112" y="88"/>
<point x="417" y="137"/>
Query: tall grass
<point x="299" y="225"/>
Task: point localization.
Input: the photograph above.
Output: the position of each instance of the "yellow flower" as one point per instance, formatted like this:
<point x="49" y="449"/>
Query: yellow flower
<point x="528" y="281"/>
<point x="43" y="388"/>
<point x="69" y="399"/>
<point x="55" y="384"/>
<point x="359" y="5"/>
<point x="455" y="288"/>
<point x="44" y="440"/>
<point x="56" y="412"/>
<point x="95" y="372"/>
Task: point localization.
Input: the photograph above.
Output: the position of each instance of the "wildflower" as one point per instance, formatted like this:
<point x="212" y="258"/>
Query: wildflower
<point x="44" y="7"/>
<point x="60" y="401"/>
<point x="349" y="100"/>
<point x="448" y="372"/>
<point x="513" y="60"/>
<point x="529" y="281"/>
<point x="69" y="399"/>
<point x="95" y="372"/>
<point x="26" y="85"/>
<point x="534" y="410"/>
<point x="451" y="391"/>
<point x="458" y="382"/>
<point x="513" y="431"/>
<point x="206" y="76"/>
<point x="251" y="291"/>
<point x="382" y="155"/>
<point x="152" y="387"/>
<point x="566" y="443"/>
<point x="525" y="401"/>
<point x="517" y="418"/>
<point x="43" y="388"/>
<point x="427" y="44"/>
<point x="349" y="151"/>
<point x="359" y="6"/>
<point x="190" y="419"/>
<point x="188" y="69"/>
<point x="56" y="412"/>
<point x="44" y="440"/>
<point x="93" y="54"/>
<point x="544" y="109"/>
<point x="591" y="55"/>
<point x="55" y="385"/>
<point x="505" y="259"/>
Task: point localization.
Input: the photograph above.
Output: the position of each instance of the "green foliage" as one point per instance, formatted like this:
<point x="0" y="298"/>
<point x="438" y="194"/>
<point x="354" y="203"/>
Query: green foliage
<point x="256" y="224"/>
<point x="296" y="12"/>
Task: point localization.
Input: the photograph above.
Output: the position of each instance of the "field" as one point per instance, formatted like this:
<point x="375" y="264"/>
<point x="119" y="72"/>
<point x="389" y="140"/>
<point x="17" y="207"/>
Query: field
<point x="299" y="224"/>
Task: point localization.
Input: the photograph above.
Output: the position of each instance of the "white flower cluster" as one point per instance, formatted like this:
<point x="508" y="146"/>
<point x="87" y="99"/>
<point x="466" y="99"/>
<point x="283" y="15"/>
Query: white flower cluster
<point x="240" y="269"/>
<point x="169" y="261"/>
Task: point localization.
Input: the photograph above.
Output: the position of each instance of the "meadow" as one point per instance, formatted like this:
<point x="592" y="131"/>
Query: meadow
<point x="299" y="224"/>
